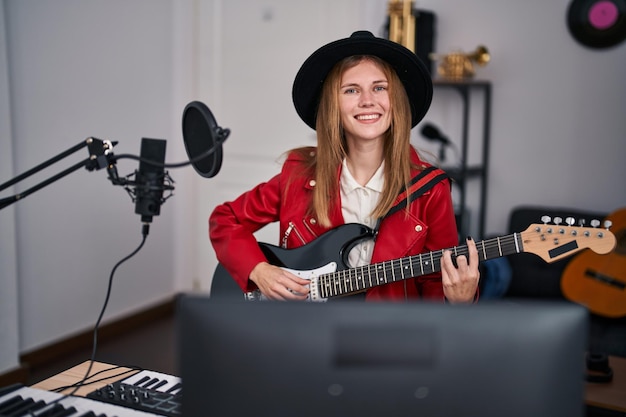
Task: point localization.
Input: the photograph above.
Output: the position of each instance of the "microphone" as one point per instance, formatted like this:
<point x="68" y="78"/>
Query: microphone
<point x="430" y="132"/>
<point x="149" y="180"/>
<point x="203" y="139"/>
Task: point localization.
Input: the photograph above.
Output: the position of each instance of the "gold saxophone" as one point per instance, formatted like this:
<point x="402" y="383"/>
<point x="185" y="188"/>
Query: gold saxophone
<point x="459" y="66"/>
<point x="402" y="23"/>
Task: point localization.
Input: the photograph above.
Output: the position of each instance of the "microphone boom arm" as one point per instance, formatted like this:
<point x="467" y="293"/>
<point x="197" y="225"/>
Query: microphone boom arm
<point x="99" y="157"/>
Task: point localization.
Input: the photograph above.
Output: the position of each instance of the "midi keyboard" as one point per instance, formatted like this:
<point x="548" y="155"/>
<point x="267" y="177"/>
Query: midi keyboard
<point x="147" y="391"/>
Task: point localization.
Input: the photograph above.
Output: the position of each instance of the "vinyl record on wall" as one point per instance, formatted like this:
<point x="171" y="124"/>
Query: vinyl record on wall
<point x="597" y="23"/>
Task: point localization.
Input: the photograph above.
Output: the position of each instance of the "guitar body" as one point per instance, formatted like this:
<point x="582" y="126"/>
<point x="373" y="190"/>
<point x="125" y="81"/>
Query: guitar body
<point x="332" y="246"/>
<point x="599" y="281"/>
<point x="326" y="254"/>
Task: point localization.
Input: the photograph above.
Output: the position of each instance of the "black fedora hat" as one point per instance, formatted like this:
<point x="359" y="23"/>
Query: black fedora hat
<point x="416" y="79"/>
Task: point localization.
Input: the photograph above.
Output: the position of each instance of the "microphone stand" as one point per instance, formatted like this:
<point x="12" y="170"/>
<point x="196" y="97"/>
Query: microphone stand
<point x="100" y="153"/>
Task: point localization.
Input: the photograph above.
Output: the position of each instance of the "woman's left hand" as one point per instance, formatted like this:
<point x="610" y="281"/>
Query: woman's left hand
<point x="460" y="283"/>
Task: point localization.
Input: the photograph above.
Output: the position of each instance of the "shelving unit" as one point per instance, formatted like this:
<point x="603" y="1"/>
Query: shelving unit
<point x="464" y="173"/>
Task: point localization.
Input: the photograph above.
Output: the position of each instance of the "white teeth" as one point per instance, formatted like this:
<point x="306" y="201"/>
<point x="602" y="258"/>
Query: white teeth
<point x="368" y="117"/>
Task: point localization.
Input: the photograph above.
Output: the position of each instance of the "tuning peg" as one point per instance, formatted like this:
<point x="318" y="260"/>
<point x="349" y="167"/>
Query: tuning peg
<point x="546" y="219"/>
<point x="595" y="223"/>
<point x="582" y="222"/>
<point x="557" y="220"/>
<point x="608" y="224"/>
<point x="570" y="221"/>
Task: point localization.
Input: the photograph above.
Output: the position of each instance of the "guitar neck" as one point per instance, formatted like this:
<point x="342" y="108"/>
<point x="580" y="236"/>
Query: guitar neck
<point x="354" y="280"/>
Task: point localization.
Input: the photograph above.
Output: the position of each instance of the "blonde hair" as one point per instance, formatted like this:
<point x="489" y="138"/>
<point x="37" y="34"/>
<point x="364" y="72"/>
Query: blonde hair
<point x="332" y="146"/>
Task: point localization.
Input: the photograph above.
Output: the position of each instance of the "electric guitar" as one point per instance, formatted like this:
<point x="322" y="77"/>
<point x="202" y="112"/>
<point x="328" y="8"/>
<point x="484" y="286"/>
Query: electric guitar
<point x="599" y="282"/>
<point x="325" y="260"/>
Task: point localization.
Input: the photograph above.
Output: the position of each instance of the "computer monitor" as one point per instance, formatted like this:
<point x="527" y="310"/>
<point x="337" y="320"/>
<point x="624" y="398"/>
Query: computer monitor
<point x="381" y="359"/>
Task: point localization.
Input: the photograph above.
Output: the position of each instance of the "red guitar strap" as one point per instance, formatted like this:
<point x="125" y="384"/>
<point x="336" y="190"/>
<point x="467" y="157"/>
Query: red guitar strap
<point x="424" y="181"/>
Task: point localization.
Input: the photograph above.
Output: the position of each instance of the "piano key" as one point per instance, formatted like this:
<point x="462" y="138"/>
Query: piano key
<point x="175" y="389"/>
<point x="28" y="405"/>
<point x="171" y="385"/>
<point x="9" y="402"/>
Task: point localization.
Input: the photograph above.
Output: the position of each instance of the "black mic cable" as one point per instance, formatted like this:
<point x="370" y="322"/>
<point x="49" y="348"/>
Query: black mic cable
<point x="76" y="386"/>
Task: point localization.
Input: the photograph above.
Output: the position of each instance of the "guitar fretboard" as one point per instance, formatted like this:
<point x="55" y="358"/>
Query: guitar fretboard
<point x="353" y="280"/>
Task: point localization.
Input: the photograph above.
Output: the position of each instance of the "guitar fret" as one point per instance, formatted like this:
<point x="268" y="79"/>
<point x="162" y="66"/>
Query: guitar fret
<point x="365" y="270"/>
<point x="432" y="263"/>
<point x="398" y="270"/>
<point x="384" y="273"/>
<point x="329" y="283"/>
<point x="386" y="269"/>
<point x="427" y="263"/>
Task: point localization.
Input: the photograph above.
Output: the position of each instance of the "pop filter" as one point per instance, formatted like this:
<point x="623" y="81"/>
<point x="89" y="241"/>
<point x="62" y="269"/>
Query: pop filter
<point x="203" y="139"/>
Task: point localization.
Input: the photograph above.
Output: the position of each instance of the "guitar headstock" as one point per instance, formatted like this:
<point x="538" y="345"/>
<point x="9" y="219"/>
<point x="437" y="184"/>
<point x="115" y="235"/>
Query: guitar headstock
<point x="556" y="241"/>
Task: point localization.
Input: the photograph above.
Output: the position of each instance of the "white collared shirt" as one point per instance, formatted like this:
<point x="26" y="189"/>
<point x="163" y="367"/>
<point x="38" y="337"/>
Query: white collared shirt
<point x="357" y="204"/>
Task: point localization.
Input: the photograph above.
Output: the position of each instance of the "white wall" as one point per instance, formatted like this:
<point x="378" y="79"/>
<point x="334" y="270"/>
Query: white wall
<point x="80" y="69"/>
<point x="124" y="70"/>
<point x="8" y="260"/>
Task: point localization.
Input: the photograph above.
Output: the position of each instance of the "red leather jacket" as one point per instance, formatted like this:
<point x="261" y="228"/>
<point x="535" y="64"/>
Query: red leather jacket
<point x="430" y="225"/>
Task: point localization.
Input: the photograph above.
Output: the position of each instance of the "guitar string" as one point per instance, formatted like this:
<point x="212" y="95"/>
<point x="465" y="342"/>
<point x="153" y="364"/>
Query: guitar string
<point x="351" y="278"/>
<point x="346" y="280"/>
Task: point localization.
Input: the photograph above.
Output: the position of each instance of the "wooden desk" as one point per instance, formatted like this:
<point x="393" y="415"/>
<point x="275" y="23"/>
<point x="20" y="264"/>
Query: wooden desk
<point x="610" y="395"/>
<point x="109" y="374"/>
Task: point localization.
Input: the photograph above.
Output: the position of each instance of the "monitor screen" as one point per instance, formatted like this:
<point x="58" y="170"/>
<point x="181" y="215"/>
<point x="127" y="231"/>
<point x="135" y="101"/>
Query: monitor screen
<point x="381" y="359"/>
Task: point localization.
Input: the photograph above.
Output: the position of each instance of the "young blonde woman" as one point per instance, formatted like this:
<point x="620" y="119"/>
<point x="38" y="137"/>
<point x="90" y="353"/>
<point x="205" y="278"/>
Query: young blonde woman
<point x="362" y="95"/>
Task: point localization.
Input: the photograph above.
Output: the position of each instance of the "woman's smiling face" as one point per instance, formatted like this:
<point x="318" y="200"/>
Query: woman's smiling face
<point x="364" y="102"/>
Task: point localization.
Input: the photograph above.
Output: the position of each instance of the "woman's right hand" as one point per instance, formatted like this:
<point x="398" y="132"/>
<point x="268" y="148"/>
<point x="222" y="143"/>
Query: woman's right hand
<point x="278" y="284"/>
